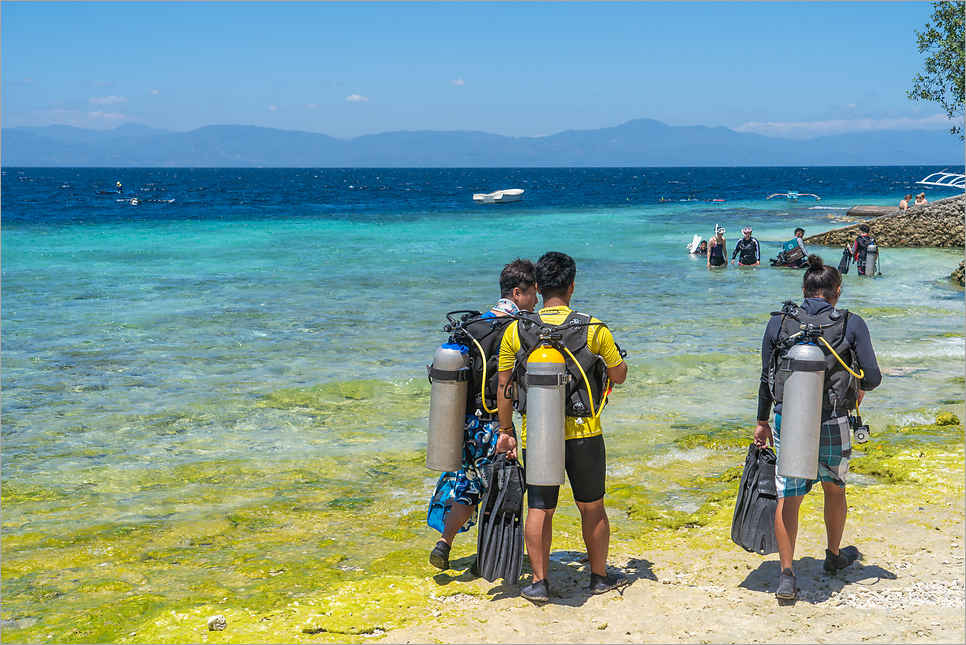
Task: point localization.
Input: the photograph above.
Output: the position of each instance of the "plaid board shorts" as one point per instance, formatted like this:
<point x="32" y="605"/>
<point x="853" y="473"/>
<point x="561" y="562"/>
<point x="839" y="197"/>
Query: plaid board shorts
<point x="834" y="451"/>
<point x="466" y="484"/>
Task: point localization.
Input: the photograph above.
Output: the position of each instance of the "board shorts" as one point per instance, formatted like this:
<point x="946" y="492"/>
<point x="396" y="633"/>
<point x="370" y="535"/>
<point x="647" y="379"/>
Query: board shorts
<point x="834" y="451"/>
<point x="465" y="485"/>
<point x="586" y="463"/>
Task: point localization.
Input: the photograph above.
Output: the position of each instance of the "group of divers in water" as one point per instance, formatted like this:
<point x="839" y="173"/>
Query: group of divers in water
<point x="556" y="367"/>
<point x="863" y="251"/>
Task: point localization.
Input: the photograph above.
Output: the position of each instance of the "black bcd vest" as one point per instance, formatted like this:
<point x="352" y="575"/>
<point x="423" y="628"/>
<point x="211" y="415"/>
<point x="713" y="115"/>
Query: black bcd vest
<point x="840" y="389"/>
<point x="488" y="332"/>
<point x="582" y="398"/>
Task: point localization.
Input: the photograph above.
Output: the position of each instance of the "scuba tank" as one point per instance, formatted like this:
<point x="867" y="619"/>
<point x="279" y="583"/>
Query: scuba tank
<point x="449" y="375"/>
<point x="871" y="259"/>
<point x="801" y="411"/>
<point x="546" y="421"/>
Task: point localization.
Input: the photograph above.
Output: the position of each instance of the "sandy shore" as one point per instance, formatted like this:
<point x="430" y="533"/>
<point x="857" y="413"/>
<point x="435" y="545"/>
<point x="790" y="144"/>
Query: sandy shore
<point x="908" y="586"/>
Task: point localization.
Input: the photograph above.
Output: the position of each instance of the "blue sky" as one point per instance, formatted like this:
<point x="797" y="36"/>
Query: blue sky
<point x="796" y="69"/>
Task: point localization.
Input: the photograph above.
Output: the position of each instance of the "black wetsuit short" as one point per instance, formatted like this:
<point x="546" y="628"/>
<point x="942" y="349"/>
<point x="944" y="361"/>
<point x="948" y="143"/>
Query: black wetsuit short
<point x="860" y="250"/>
<point x="749" y="251"/>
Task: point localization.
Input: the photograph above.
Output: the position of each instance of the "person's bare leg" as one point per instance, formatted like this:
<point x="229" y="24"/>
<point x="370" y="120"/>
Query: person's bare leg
<point x="596" y="530"/>
<point x="836" y="510"/>
<point x="458" y="514"/>
<point x="538" y="534"/>
<point x="786" y="529"/>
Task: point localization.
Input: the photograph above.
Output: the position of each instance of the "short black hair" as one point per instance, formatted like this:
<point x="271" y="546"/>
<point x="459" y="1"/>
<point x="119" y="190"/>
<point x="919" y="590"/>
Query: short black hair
<point x="555" y="273"/>
<point x="864" y="228"/>
<point x="519" y="273"/>
<point x="799" y="230"/>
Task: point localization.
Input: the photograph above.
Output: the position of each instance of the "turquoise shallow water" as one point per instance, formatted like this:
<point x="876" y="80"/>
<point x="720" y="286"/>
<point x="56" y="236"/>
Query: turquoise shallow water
<point x="284" y="345"/>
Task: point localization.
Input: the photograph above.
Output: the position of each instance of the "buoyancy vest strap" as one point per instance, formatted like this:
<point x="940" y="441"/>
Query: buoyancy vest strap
<point x="551" y="380"/>
<point x="460" y="375"/>
<point x="797" y="365"/>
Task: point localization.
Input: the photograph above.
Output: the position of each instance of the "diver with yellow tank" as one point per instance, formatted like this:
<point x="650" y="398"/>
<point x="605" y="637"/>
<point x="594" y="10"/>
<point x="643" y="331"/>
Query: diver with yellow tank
<point x="817" y="365"/>
<point x="559" y="364"/>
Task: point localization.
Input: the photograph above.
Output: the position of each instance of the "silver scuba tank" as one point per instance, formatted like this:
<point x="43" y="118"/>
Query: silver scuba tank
<point x="801" y="412"/>
<point x="546" y="421"/>
<point x="449" y="375"/>
<point x="871" y="259"/>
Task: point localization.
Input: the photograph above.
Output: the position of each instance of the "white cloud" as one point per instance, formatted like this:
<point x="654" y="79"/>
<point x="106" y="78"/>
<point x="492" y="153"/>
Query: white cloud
<point x="807" y="130"/>
<point x="458" y="81"/>
<point x="155" y="92"/>
<point x="850" y="105"/>
<point x="98" y="83"/>
<point x="357" y="98"/>
<point x="29" y="80"/>
<point x="95" y="120"/>
<point x="311" y="106"/>
<point x="272" y="108"/>
<point x="108" y="100"/>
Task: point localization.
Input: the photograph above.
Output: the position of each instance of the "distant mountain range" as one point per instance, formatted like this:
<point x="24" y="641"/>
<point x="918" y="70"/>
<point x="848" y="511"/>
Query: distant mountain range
<point x="637" y="143"/>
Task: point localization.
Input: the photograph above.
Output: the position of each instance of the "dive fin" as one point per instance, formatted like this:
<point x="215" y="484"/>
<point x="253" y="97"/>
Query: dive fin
<point x="500" y="532"/>
<point x="753" y="523"/>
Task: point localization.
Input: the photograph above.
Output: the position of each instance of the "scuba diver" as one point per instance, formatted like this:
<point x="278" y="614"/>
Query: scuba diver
<point x="454" y="503"/>
<point x="702" y="248"/>
<point x="747" y="250"/>
<point x="717" y="251"/>
<point x="860" y="247"/>
<point x="793" y="254"/>
<point x="840" y="382"/>
<point x="529" y="346"/>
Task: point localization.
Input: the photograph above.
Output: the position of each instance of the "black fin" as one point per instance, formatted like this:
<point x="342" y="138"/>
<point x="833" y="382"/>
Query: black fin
<point x="500" y="529"/>
<point x="753" y="524"/>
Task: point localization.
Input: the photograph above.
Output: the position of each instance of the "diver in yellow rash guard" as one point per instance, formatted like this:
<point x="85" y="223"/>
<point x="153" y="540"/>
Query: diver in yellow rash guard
<point x="585" y="456"/>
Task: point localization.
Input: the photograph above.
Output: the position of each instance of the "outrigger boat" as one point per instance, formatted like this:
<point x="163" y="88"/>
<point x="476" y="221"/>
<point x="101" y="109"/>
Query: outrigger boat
<point x="945" y="179"/>
<point x="793" y="195"/>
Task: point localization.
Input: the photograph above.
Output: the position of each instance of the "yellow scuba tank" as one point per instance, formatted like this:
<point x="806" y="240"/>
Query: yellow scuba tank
<point x="801" y="411"/>
<point x="449" y="375"/>
<point x="546" y="421"/>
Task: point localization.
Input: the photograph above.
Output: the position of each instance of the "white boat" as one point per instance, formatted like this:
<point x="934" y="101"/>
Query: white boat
<point x="499" y="197"/>
<point x="793" y="196"/>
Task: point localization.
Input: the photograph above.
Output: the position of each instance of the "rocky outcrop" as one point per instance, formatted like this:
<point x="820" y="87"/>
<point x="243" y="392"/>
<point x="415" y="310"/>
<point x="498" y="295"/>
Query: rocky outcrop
<point x="959" y="275"/>
<point x="939" y="223"/>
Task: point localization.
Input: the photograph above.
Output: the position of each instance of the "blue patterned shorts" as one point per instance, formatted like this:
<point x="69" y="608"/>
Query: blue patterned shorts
<point x="834" y="451"/>
<point x="465" y="485"/>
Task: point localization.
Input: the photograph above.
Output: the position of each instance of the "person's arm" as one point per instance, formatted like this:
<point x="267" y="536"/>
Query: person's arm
<point x="864" y="354"/>
<point x="507" y="441"/>
<point x="734" y="253"/>
<point x="763" y="433"/>
<point x="757" y="251"/>
<point x="601" y="342"/>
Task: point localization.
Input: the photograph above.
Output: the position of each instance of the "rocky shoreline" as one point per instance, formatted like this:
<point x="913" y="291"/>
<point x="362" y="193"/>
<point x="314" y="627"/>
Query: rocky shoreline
<point x="938" y="224"/>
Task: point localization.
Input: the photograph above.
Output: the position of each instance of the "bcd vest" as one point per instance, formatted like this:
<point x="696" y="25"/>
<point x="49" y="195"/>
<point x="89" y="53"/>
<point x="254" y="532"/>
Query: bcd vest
<point x="488" y="332"/>
<point x="862" y="243"/>
<point x="840" y="390"/>
<point x="582" y="398"/>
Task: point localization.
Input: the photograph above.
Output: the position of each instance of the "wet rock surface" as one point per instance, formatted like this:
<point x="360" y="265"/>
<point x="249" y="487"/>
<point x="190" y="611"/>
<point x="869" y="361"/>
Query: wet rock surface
<point x="937" y="224"/>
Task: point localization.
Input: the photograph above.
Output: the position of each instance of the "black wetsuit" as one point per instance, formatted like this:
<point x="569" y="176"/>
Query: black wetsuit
<point x="860" y="248"/>
<point x="749" y="250"/>
<point x="857" y="334"/>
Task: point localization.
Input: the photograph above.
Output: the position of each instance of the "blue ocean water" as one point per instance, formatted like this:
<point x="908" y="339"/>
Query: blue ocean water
<point x="241" y="319"/>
